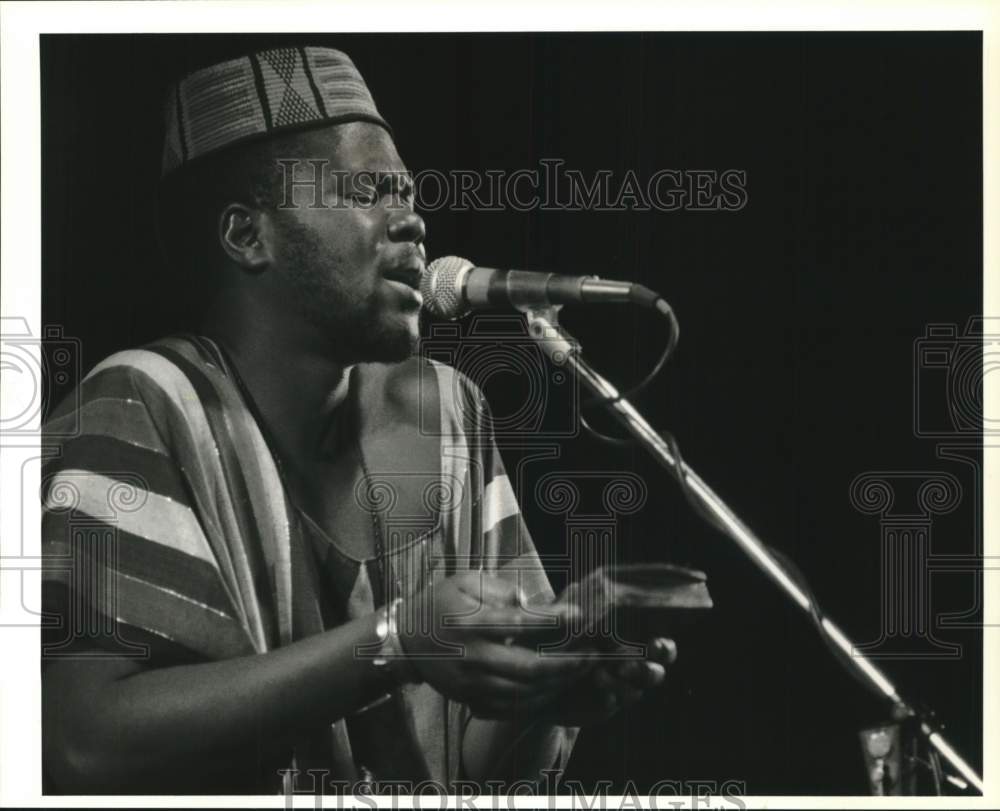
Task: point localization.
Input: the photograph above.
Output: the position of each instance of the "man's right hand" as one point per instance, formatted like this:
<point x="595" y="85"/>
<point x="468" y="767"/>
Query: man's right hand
<point x="462" y="632"/>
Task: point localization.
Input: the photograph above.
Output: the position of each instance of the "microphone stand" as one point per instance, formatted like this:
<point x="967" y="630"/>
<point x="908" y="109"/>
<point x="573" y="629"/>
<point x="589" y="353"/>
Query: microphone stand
<point x="564" y="351"/>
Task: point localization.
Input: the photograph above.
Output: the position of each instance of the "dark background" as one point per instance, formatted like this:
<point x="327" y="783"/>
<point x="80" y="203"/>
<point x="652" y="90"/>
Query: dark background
<point x="799" y="313"/>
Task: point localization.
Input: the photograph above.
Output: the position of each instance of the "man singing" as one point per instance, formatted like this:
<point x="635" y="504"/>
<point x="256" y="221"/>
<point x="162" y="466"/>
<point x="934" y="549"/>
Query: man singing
<point x="239" y="609"/>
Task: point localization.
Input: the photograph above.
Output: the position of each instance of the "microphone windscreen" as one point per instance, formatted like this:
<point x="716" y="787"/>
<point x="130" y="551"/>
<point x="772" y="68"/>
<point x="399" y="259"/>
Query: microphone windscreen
<point x="441" y="287"/>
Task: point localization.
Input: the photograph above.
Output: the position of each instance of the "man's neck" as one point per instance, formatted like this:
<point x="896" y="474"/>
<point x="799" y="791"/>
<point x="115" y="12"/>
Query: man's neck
<point x="300" y="392"/>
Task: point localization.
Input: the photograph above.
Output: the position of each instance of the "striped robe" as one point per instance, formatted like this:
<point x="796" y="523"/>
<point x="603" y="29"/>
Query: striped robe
<point x="168" y="535"/>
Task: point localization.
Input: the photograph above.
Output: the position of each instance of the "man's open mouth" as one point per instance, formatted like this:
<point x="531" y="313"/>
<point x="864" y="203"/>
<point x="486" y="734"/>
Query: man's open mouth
<point x="409" y="276"/>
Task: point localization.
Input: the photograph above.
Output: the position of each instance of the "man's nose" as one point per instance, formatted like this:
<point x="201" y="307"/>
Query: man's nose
<point x="407" y="226"/>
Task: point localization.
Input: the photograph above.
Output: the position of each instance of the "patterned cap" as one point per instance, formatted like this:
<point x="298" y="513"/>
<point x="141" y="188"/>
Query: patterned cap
<point x="251" y="97"/>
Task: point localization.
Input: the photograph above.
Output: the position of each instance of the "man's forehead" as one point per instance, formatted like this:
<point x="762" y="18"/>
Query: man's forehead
<point x="352" y="147"/>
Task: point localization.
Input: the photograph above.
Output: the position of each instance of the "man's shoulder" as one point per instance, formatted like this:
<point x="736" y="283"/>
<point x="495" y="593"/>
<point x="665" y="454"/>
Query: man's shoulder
<point x="134" y="361"/>
<point x="141" y="374"/>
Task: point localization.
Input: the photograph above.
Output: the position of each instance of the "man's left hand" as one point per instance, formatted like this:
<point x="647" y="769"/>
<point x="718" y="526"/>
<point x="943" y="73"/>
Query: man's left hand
<point x="611" y="685"/>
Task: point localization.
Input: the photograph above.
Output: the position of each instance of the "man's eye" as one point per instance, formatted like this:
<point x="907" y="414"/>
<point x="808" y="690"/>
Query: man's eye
<point x="393" y="188"/>
<point x="364" y="192"/>
<point x="398" y="186"/>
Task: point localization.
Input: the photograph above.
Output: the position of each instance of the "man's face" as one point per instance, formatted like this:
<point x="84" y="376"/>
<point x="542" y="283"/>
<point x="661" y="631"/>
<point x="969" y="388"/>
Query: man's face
<point x="335" y="257"/>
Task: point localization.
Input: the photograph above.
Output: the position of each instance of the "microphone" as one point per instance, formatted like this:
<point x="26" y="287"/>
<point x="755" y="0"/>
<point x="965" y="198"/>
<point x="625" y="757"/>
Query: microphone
<point x="452" y="286"/>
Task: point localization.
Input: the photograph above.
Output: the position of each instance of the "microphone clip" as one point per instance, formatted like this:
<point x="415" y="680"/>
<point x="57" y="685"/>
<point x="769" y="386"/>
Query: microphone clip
<point x="543" y="326"/>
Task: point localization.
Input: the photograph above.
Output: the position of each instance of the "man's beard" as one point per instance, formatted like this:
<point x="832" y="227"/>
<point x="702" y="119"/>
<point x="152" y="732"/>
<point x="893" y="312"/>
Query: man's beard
<point x="354" y="324"/>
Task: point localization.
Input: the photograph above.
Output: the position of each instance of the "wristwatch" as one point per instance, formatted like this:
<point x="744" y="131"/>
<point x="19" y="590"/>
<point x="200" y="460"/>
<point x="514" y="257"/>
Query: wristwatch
<point x="391" y="657"/>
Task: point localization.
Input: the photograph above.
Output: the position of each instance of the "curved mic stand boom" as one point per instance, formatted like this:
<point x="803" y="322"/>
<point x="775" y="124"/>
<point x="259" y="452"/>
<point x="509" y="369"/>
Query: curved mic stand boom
<point x="563" y="351"/>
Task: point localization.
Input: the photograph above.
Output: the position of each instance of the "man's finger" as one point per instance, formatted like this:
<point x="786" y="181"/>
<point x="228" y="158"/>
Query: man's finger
<point x="618" y="692"/>
<point x="501" y="622"/>
<point x="642" y="673"/>
<point x="526" y="665"/>
<point x="491" y="686"/>
<point x="662" y="650"/>
<point x="490" y="589"/>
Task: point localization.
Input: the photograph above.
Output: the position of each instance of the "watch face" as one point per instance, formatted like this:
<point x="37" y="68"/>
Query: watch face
<point x="382" y="627"/>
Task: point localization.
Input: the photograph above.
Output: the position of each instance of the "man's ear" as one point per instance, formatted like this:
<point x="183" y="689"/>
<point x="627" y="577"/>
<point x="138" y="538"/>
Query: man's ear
<point x="244" y="236"/>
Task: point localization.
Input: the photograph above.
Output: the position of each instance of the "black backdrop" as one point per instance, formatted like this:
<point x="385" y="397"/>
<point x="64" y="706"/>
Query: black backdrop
<point x="799" y="314"/>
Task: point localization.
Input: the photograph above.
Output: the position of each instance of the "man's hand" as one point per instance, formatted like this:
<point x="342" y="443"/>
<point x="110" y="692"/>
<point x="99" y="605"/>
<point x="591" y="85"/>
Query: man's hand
<point x="611" y="685"/>
<point x="462" y="634"/>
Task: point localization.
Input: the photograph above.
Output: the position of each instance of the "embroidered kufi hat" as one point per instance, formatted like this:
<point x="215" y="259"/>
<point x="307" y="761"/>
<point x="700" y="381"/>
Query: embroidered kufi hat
<point x="267" y="92"/>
